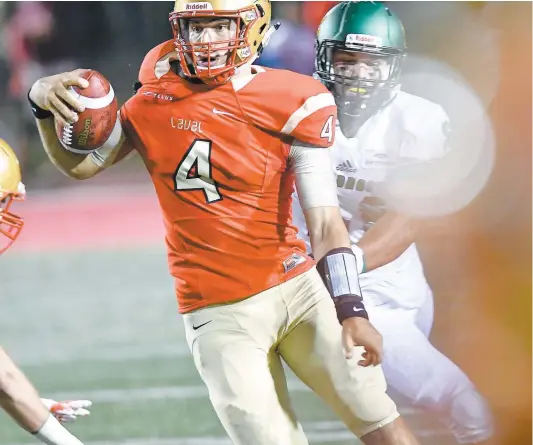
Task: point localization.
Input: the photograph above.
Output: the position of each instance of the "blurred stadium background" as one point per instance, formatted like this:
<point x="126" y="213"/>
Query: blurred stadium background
<point x="87" y="306"/>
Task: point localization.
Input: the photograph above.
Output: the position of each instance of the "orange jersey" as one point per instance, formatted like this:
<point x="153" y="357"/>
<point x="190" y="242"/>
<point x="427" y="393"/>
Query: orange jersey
<point x="218" y="158"/>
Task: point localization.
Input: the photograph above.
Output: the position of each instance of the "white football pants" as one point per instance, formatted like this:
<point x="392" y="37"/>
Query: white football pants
<point x="418" y="371"/>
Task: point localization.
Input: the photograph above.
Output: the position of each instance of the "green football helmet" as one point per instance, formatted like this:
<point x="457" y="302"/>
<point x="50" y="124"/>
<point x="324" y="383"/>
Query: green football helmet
<point x="359" y="51"/>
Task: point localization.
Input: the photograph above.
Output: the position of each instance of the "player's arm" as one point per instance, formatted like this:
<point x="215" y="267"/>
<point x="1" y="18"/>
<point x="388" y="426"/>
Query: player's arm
<point x="317" y="194"/>
<point x="20" y="400"/>
<point x="50" y="96"/>
<point x="337" y="264"/>
<point x="386" y="239"/>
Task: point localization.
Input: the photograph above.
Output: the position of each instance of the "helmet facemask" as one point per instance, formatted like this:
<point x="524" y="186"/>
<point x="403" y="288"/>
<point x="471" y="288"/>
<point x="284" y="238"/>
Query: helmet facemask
<point x="362" y="78"/>
<point x="211" y="45"/>
<point x="10" y="223"/>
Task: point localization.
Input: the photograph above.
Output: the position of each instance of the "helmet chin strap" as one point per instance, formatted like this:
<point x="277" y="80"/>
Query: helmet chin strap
<point x="353" y="112"/>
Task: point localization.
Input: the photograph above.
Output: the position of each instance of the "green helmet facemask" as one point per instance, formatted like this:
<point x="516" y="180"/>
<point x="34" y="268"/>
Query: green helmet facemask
<point x="360" y="47"/>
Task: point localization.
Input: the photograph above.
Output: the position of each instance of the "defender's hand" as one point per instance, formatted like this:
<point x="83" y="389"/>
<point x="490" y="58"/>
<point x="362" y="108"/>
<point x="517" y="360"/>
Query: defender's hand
<point x="50" y="93"/>
<point x="358" y="331"/>
<point x="68" y="410"/>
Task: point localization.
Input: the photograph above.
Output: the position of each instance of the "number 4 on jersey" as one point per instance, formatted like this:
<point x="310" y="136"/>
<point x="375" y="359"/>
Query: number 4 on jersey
<point x="194" y="171"/>
<point x="327" y="130"/>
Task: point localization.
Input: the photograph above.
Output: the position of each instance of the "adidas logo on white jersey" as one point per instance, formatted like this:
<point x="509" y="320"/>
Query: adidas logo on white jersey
<point x="346" y="166"/>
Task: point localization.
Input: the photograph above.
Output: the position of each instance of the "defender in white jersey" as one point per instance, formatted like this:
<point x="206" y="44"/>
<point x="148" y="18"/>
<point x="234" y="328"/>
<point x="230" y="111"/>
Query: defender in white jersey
<point x="359" y="53"/>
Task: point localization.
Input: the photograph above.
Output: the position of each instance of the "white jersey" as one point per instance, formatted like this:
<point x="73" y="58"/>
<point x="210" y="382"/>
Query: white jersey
<point x="409" y="129"/>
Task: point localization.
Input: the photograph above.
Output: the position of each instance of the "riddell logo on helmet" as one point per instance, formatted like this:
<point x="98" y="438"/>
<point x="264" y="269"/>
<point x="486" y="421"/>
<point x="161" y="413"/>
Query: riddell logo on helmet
<point x="201" y="6"/>
<point x="363" y="39"/>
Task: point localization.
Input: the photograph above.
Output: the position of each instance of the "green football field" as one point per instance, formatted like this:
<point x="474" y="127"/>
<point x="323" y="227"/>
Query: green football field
<point x="103" y="325"/>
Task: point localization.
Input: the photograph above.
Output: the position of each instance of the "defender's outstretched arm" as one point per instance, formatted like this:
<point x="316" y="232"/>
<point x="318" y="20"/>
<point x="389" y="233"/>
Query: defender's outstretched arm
<point x="20" y="400"/>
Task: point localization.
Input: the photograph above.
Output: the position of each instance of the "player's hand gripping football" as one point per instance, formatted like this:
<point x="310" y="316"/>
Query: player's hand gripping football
<point x="358" y="331"/>
<point x="51" y="93"/>
<point x="68" y="410"/>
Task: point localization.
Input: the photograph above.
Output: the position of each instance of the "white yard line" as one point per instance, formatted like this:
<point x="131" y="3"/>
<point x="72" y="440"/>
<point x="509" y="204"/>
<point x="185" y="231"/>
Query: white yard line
<point x="124" y="395"/>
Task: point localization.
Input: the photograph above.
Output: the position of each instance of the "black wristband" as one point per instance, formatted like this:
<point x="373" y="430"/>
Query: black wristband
<point x="348" y="307"/>
<point x="338" y="270"/>
<point x="38" y="112"/>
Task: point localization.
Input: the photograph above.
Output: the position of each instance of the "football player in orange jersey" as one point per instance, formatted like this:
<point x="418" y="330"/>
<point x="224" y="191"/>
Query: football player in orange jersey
<point x="225" y="142"/>
<point x="18" y="397"/>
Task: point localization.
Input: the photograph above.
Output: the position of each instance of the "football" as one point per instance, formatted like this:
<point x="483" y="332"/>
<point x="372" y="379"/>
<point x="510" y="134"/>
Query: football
<point x="95" y="124"/>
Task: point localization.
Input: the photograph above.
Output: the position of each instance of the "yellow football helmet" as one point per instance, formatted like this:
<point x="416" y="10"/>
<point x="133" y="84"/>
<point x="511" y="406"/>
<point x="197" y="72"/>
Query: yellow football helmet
<point x="11" y="189"/>
<point x="251" y="20"/>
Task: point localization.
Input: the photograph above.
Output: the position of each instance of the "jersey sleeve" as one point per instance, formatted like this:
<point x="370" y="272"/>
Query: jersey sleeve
<point x="314" y="176"/>
<point x="156" y="63"/>
<point x="292" y="105"/>
<point x="127" y="112"/>
<point x="124" y="113"/>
